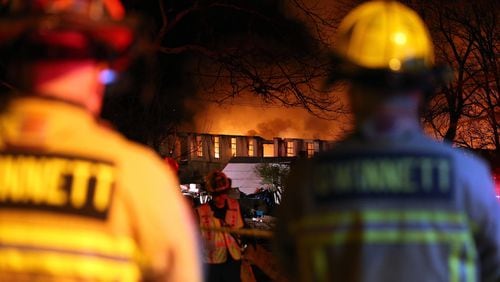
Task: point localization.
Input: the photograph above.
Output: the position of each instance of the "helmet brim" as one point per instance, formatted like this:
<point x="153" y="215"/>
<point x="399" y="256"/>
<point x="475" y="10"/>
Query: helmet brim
<point x="426" y="78"/>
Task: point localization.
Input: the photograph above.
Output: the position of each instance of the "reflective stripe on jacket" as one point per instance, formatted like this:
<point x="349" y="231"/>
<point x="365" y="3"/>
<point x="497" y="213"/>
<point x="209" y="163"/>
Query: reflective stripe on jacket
<point x="217" y="244"/>
<point x="79" y="202"/>
<point x="409" y="211"/>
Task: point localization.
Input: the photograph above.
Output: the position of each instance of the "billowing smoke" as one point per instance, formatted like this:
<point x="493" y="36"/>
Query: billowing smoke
<point x="276" y="127"/>
<point x="266" y="122"/>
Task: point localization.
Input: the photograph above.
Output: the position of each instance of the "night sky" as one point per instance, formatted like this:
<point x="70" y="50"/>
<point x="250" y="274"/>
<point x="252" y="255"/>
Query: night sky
<point x="207" y="69"/>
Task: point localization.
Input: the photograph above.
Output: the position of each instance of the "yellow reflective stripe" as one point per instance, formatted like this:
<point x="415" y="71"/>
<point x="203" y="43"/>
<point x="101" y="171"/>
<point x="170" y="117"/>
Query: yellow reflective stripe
<point x="454" y="239"/>
<point x="320" y="264"/>
<point x="382" y="216"/>
<point x="68" y="265"/>
<point x="454" y="262"/>
<point x="387" y="235"/>
<point x="470" y="265"/>
<point x="69" y="239"/>
<point x="384" y="236"/>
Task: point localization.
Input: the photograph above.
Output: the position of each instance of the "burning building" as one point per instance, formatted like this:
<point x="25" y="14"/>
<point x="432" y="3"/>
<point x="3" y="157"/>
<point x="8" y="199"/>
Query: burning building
<point x="200" y="153"/>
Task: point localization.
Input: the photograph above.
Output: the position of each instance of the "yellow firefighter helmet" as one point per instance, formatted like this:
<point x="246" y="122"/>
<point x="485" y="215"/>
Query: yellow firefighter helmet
<point x="384" y="42"/>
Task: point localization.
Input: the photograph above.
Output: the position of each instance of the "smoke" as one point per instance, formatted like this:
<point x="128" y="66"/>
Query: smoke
<point x="266" y="122"/>
<point x="276" y="127"/>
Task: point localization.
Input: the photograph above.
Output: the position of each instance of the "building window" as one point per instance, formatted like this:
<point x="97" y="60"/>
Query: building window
<point x="198" y="146"/>
<point x="289" y="149"/>
<point x="310" y="149"/>
<point x="250" y="148"/>
<point x="268" y="150"/>
<point x="233" y="146"/>
<point x="217" y="147"/>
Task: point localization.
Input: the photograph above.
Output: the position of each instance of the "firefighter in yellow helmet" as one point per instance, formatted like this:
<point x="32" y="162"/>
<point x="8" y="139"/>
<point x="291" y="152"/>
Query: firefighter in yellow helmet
<point x="222" y="252"/>
<point x="79" y="202"/>
<point x="388" y="203"/>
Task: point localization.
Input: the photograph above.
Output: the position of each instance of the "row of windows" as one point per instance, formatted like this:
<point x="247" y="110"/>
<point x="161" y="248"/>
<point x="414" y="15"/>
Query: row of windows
<point x="311" y="149"/>
<point x="197" y="147"/>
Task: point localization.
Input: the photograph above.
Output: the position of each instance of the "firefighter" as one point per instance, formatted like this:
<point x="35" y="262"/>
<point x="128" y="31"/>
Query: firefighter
<point x="79" y="202"/>
<point x="222" y="252"/>
<point x="388" y="203"/>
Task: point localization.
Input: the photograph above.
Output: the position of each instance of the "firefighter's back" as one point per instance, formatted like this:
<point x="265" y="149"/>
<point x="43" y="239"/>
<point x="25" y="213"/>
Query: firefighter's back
<point x="78" y="201"/>
<point x="395" y="212"/>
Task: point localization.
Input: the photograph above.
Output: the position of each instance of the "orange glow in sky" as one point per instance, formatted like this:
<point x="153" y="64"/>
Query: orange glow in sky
<point x="267" y="122"/>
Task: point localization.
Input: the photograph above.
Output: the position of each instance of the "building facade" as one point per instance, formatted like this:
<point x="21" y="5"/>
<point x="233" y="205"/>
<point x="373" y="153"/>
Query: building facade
<point x="200" y="153"/>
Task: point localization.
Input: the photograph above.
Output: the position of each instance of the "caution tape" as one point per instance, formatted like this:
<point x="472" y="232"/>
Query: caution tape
<point x="241" y="231"/>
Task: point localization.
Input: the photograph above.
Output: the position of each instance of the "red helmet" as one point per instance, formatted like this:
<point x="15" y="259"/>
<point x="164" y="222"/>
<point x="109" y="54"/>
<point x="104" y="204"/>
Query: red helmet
<point x="217" y="182"/>
<point x="67" y="28"/>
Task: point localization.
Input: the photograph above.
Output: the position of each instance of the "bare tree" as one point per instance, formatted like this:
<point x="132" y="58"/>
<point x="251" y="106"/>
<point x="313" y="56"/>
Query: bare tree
<point x="482" y="24"/>
<point x="466" y="37"/>
<point x="273" y="50"/>
<point x="277" y="51"/>
<point x="276" y="58"/>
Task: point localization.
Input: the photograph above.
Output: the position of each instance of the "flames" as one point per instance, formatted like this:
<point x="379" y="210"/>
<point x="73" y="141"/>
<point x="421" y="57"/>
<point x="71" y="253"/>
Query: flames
<point x="264" y="121"/>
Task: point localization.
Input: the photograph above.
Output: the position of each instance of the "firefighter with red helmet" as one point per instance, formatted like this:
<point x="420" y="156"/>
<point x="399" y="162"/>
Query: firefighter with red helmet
<point x="389" y="203"/>
<point x="79" y="202"/>
<point x="222" y="252"/>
